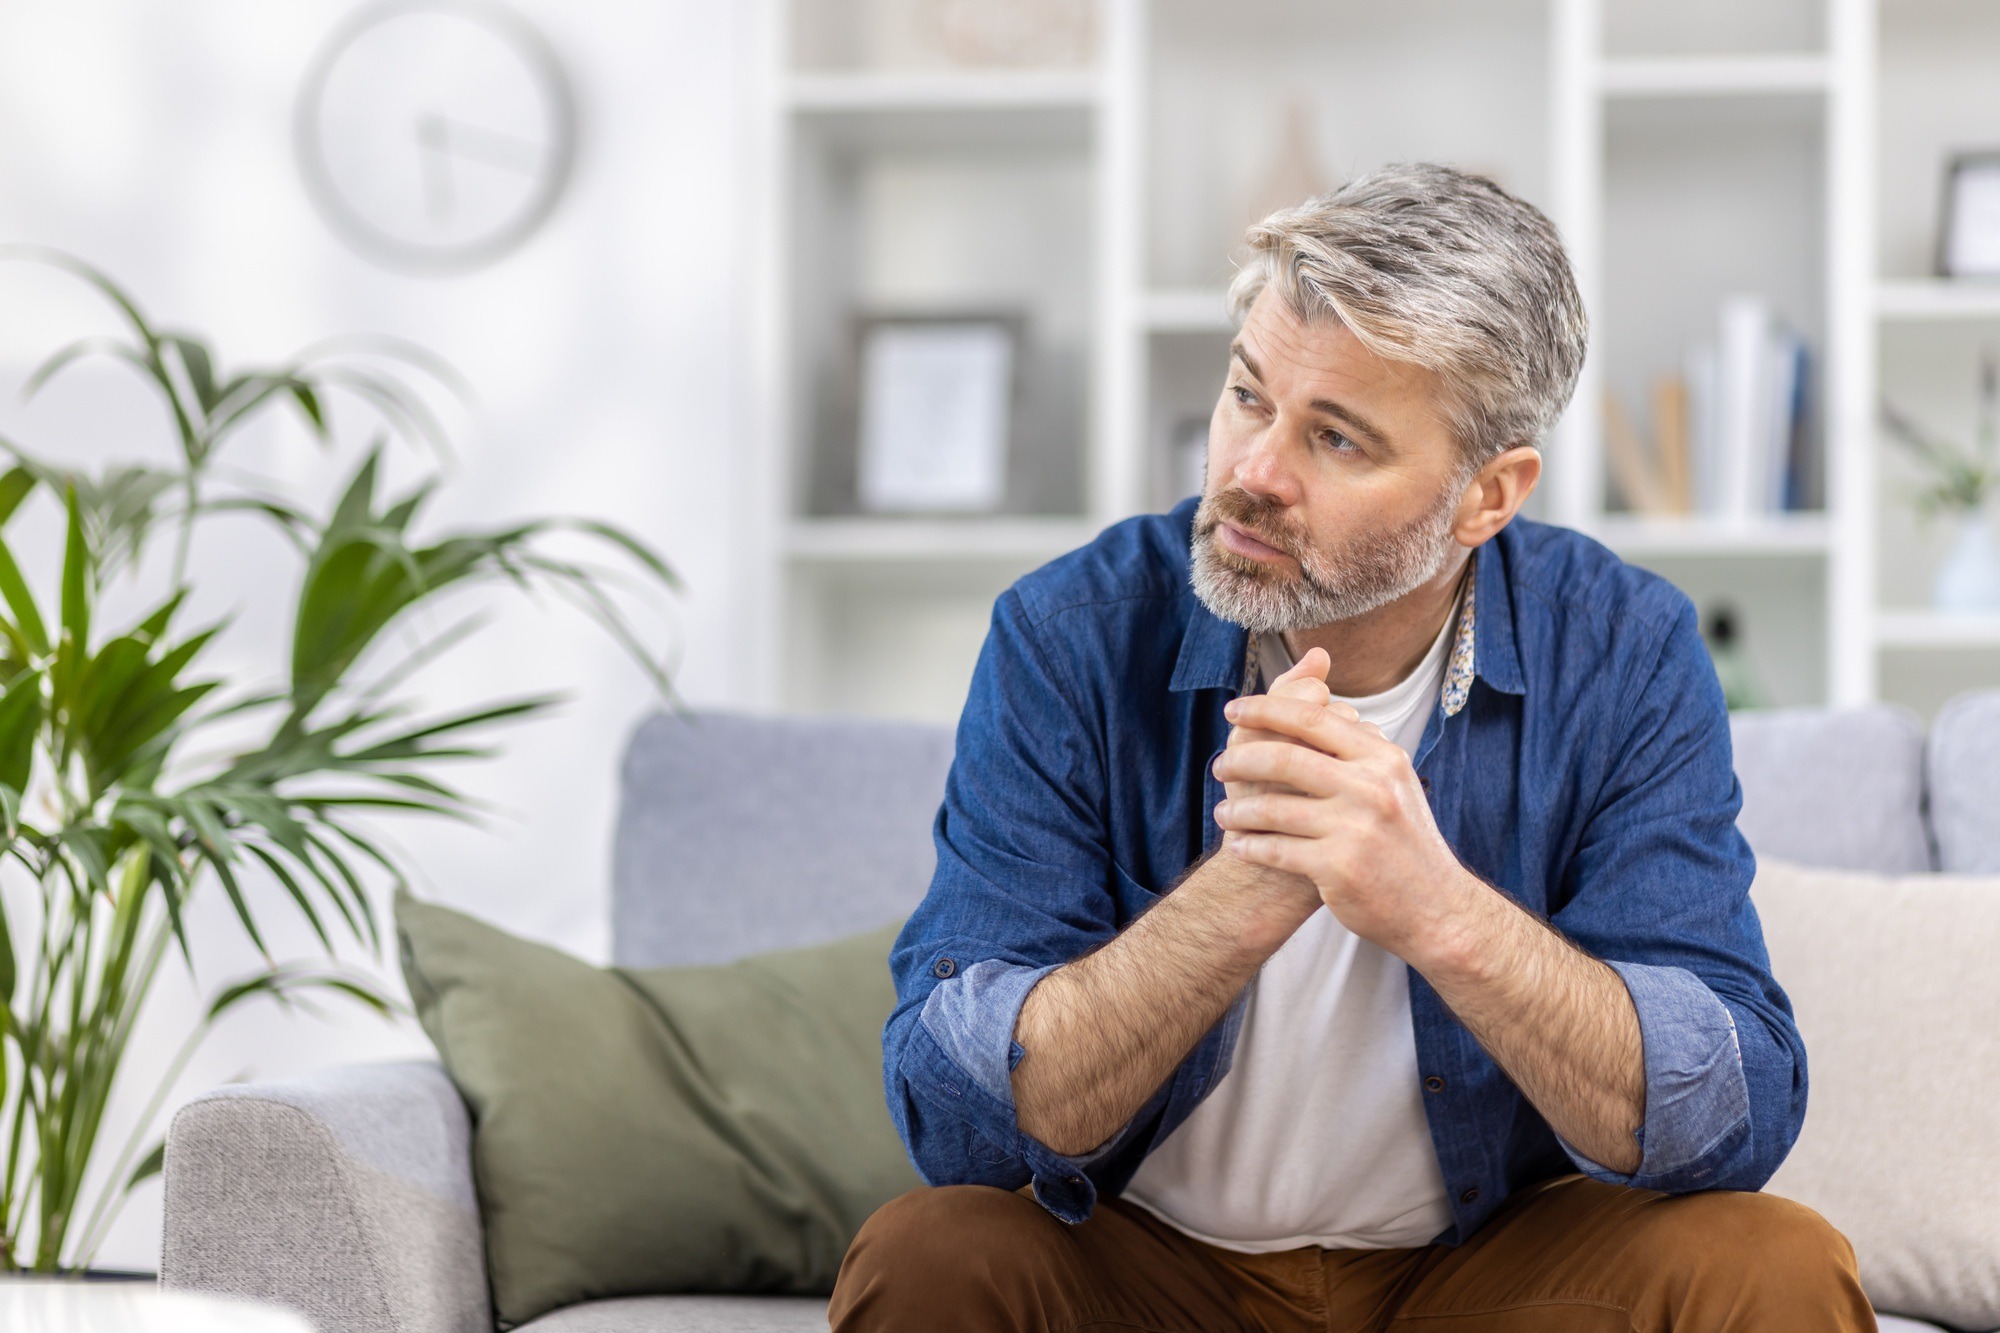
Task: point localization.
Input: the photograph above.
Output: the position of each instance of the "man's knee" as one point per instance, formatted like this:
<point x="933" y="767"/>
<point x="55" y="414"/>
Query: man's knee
<point x="1765" y="1244"/>
<point x="965" y="1245"/>
<point x="1762" y="1230"/>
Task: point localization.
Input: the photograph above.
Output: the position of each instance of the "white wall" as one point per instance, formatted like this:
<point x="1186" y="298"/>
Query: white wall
<point x="154" y="139"/>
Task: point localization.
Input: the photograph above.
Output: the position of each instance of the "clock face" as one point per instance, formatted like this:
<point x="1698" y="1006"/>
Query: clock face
<point x="435" y="134"/>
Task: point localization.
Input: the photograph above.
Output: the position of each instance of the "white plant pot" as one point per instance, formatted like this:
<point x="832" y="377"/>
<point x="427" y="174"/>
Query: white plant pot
<point x="1969" y="579"/>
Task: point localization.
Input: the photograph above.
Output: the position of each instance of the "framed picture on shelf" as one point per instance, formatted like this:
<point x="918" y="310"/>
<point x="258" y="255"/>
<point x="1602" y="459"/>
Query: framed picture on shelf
<point x="936" y="410"/>
<point x="1969" y="237"/>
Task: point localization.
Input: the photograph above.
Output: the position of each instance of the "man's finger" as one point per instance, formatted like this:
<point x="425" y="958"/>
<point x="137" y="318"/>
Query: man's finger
<point x="1312" y="667"/>
<point x="1272" y="812"/>
<point x="1333" y="729"/>
<point x="1283" y="762"/>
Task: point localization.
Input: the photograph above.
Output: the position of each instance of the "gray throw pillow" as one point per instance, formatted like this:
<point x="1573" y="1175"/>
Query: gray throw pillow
<point x="643" y="1130"/>
<point x="1897" y="995"/>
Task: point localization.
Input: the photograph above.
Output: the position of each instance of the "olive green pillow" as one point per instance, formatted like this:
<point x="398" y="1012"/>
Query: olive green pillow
<point x="667" y="1129"/>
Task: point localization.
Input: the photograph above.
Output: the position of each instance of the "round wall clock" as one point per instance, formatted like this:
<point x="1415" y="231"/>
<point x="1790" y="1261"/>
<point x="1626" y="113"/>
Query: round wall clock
<point x="435" y="134"/>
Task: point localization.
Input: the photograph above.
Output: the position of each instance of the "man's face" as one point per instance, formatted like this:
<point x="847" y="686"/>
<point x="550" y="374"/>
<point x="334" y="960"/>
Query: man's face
<point x="1333" y="478"/>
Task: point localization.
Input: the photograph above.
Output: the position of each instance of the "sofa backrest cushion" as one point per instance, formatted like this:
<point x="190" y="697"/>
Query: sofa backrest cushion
<point x="1893" y="984"/>
<point x="1834" y="787"/>
<point x="738" y="835"/>
<point x="1963" y="765"/>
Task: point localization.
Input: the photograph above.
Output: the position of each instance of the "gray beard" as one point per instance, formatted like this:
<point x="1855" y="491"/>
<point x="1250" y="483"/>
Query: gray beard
<point x="1367" y="572"/>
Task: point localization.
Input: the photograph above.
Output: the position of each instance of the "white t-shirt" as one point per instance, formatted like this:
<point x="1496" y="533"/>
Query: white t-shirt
<point x="1317" y="1135"/>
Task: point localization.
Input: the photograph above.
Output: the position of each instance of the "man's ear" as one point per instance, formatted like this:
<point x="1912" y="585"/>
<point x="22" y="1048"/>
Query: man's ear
<point x="1496" y="493"/>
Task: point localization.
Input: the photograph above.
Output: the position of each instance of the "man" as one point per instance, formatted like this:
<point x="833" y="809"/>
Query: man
<point x="1340" y="919"/>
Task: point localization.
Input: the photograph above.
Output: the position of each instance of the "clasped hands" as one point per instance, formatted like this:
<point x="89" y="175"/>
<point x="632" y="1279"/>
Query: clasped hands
<point x="1313" y="791"/>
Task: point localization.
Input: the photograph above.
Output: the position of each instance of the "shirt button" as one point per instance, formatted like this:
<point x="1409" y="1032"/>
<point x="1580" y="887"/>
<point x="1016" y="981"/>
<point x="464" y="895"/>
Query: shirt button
<point x="944" y="967"/>
<point x="1433" y="1084"/>
<point x="1470" y="1196"/>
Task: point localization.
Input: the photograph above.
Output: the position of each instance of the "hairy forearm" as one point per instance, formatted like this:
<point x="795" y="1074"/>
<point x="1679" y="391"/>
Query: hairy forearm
<point x="1102" y="1033"/>
<point x="1559" y="1022"/>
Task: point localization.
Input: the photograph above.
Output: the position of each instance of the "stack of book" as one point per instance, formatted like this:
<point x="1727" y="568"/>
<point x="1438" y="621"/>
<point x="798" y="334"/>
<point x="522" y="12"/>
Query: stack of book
<point x="1734" y="435"/>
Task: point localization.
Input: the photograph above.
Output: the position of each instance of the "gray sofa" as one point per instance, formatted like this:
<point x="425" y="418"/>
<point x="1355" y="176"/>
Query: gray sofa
<point x="348" y="1195"/>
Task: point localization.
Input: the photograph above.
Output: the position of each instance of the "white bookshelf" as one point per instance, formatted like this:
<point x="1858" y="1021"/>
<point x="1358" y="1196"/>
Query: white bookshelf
<point x="1634" y="125"/>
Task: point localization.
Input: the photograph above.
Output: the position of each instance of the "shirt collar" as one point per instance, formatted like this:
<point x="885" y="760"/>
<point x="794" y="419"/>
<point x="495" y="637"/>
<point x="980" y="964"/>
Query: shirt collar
<point x="1498" y="655"/>
<point x="1214" y="652"/>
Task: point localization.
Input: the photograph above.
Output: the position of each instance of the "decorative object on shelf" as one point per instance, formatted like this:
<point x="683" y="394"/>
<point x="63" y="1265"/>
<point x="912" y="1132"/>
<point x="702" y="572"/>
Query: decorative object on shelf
<point x="112" y="813"/>
<point x="1740" y="687"/>
<point x="1016" y="33"/>
<point x="936" y="409"/>
<point x="1650" y="478"/>
<point x="1963" y="484"/>
<point x="1969" y="240"/>
<point x="1295" y="170"/>
<point x="1751" y="429"/>
<point x="435" y="135"/>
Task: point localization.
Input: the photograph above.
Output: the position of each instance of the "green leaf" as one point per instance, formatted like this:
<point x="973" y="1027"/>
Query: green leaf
<point x="308" y="400"/>
<point x="200" y="368"/>
<point x="20" y="722"/>
<point x="76" y="578"/>
<point x="6" y="971"/>
<point x="15" y="487"/>
<point x="21" y="602"/>
<point x="151" y="1165"/>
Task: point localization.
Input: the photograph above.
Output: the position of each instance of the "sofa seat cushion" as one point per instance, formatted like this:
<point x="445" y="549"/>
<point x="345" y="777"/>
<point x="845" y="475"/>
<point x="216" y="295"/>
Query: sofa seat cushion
<point x="694" y="1314"/>
<point x="1893" y="983"/>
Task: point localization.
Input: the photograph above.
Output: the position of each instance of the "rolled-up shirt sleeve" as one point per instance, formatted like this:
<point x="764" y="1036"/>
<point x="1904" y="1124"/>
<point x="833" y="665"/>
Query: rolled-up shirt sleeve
<point x="1659" y="889"/>
<point x="1696" y="1097"/>
<point x="1023" y="884"/>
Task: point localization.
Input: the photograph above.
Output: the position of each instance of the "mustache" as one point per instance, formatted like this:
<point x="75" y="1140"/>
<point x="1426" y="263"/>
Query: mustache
<point x="1261" y="517"/>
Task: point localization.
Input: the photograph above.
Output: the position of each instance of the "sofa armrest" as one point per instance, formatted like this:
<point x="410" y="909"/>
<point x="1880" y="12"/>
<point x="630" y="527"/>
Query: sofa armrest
<point x="346" y="1195"/>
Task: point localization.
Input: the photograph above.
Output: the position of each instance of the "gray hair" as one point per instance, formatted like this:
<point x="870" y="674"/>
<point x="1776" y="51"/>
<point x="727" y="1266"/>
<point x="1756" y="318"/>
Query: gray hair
<point x="1444" y="270"/>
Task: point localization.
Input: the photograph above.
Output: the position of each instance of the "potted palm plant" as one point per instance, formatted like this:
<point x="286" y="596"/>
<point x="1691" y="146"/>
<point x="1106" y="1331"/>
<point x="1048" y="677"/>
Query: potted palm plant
<point x="112" y="819"/>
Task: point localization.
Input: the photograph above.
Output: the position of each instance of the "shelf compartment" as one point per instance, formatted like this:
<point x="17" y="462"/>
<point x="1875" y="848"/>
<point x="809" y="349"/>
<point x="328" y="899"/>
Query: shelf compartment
<point x="1937" y="299"/>
<point x="1936" y="629"/>
<point x="1715" y="76"/>
<point x="1800" y="534"/>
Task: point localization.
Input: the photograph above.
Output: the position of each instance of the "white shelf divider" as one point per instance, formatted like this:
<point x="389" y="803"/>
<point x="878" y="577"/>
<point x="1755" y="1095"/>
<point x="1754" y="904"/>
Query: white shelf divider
<point x="1800" y="534"/>
<point x="1937" y="629"/>
<point x="1187" y="310"/>
<point x="946" y="90"/>
<point x="1715" y="76"/>
<point x="1916" y="299"/>
<point x="861" y="540"/>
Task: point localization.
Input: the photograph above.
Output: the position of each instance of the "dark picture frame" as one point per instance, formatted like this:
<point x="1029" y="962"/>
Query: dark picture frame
<point x="1968" y="243"/>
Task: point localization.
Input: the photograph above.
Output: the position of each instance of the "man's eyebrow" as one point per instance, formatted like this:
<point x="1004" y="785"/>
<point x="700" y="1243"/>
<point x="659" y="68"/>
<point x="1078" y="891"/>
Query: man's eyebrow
<point x="1354" y="420"/>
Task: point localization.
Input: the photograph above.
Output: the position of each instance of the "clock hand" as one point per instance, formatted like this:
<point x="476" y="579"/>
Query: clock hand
<point x="495" y="148"/>
<point x="434" y="137"/>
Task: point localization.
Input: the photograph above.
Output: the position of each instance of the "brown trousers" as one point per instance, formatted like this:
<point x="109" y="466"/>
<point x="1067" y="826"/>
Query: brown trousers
<point x="1570" y="1255"/>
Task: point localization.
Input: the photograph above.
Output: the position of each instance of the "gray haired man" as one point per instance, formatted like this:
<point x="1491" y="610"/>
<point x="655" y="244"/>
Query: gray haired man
<point x="1340" y="919"/>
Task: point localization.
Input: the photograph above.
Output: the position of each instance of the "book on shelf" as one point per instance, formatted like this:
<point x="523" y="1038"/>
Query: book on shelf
<point x="1733" y="436"/>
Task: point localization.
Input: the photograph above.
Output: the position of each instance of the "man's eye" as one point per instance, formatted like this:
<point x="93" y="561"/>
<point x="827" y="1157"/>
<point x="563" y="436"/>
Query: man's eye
<point x="1339" y="443"/>
<point x="1243" y="395"/>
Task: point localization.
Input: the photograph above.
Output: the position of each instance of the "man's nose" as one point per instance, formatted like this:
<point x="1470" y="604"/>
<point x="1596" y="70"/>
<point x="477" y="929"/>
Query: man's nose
<point x="1264" y="469"/>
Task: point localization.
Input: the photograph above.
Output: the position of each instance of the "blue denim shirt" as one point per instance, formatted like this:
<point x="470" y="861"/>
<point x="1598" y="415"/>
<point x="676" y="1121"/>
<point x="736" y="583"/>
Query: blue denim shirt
<point x="1585" y="772"/>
